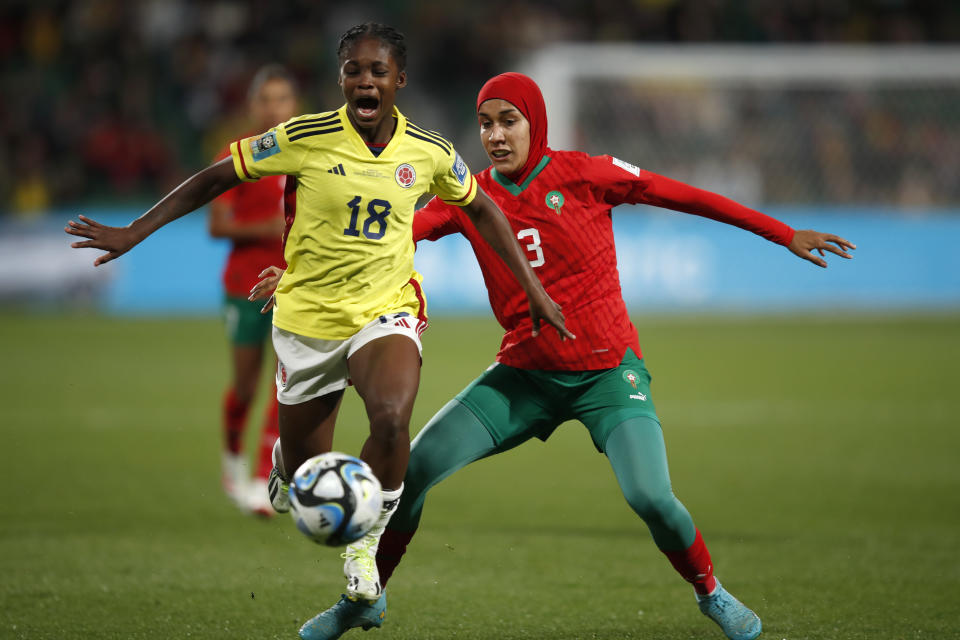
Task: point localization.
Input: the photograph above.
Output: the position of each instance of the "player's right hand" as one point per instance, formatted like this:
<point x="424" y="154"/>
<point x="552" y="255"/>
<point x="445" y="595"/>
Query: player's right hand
<point x="269" y="278"/>
<point x="116" y="241"/>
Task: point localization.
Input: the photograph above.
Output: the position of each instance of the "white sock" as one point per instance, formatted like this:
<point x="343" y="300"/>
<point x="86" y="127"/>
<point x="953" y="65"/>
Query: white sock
<point x="391" y="499"/>
<point x="360" y="569"/>
<point x="277" y="458"/>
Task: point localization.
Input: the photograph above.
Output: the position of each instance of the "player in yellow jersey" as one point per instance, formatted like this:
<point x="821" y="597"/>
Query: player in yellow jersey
<point x="349" y="308"/>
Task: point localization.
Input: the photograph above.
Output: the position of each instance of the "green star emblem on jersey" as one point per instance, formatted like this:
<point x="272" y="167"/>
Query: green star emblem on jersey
<point x="554" y="200"/>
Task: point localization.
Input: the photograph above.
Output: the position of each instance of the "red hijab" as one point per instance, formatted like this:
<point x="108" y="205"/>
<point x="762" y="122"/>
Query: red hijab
<point x="524" y="94"/>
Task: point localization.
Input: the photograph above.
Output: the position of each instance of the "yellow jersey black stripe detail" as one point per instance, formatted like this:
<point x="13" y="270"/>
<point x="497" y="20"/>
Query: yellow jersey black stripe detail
<point x="315" y="132"/>
<point x="430" y="134"/>
<point x="303" y="120"/>
<point x="311" y="125"/>
<point x="426" y="139"/>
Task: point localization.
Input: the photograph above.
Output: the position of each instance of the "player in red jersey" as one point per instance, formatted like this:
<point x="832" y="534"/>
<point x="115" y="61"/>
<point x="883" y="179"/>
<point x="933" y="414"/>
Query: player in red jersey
<point x="251" y="216"/>
<point x="559" y="206"/>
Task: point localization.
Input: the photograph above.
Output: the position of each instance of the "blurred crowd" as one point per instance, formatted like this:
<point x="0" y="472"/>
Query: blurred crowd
<point x="115" y="101"/>
<point x="891" y="145"/>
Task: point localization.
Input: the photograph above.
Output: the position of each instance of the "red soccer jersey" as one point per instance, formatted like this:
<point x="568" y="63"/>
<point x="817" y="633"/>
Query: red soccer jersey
<point x="561" y="217"/>
<point x="251" y="202"/>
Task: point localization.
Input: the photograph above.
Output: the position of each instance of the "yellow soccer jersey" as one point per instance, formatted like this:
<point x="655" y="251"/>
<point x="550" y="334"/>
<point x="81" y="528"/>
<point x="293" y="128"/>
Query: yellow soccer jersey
<point x="350" y="247"/>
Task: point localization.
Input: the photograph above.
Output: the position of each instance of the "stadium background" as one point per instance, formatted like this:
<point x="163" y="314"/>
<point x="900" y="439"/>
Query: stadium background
<point x="811" y="414"/>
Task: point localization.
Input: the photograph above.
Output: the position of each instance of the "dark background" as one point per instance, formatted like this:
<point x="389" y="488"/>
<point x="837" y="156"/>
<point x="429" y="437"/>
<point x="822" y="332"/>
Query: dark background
<point x="116" y="101"/>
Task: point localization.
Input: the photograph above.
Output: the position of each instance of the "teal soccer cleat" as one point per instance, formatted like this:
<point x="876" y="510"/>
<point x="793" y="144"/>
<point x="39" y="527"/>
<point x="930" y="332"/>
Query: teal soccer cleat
<point x="736" y="620"/>
<point x="343" y="616"/>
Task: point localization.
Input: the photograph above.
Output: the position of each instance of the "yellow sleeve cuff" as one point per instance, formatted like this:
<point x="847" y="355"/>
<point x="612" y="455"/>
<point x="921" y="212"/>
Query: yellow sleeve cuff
<point x="240" y="163"/>
<point x="468" y="198"/>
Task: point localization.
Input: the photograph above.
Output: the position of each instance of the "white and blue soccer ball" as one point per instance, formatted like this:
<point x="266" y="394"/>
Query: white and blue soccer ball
<point x="335" y="499"/>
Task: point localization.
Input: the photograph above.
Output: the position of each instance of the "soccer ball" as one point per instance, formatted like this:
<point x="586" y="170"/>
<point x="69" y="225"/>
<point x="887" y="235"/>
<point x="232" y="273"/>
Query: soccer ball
<point x="335" y="499"/>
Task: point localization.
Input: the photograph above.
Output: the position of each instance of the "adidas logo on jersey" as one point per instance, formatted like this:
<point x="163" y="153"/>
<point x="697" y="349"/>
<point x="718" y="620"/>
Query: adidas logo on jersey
<point x="337" y="170"/>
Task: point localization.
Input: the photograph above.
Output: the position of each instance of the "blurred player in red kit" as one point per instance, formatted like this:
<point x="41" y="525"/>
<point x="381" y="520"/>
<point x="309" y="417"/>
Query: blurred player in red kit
<point x="251" y="216"/>
<point x="559" y="206"/>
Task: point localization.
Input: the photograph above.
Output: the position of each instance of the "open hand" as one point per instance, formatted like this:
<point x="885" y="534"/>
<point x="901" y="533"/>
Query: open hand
<point x="544" y="309"/>
<point x="269" y="278"/>
<point x="116" y="241"/>
<point x="806" y="241"/>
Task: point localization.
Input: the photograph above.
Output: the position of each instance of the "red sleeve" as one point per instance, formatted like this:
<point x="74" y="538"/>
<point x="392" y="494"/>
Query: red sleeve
<point x="435" y="220"/>
<point x="227" y="197"/>
<point x="624" y="183"/>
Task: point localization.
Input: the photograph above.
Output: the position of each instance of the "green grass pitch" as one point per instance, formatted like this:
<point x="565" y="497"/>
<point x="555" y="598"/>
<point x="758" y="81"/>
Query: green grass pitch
<point x="819" y="456"/>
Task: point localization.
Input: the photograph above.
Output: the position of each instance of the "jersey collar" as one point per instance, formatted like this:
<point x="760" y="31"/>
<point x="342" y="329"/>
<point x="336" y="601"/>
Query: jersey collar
<point x="513" y="188"/>
<point x="359" y="143"/>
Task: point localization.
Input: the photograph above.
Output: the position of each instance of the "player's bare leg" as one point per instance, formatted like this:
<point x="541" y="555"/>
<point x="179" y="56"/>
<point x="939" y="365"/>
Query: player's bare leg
<point x="386" y="374"/>
<point x="306" y="430"/>
<point x="247" y="360"/>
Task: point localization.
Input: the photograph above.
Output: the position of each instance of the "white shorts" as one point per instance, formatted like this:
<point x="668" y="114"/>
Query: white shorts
<point x="308" y="368"/>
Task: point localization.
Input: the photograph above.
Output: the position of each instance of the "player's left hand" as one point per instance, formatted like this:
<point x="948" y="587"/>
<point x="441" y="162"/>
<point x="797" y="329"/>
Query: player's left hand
<point x="544" y="309"/>
<point x="269" y="278"/>
<point x="806" y="241"/>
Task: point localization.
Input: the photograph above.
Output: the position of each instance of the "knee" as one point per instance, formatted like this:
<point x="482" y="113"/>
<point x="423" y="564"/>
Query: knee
<point x="651" y="507"/>
<point x="390" y="424"/>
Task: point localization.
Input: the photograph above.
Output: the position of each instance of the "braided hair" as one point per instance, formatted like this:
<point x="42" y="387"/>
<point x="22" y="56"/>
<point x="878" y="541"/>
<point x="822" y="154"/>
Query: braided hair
<point x="386" y="34"/>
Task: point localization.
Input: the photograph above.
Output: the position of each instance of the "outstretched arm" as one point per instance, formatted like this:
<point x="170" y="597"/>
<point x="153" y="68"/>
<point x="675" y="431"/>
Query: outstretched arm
<point x="671" y="194"/>
<point x="493" y="226"/>
<point x="195" y="192"/>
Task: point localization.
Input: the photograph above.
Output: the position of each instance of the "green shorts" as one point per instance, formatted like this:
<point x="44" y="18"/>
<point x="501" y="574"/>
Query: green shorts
<point x="246" y="326"/>
<point x="517" y="404"/>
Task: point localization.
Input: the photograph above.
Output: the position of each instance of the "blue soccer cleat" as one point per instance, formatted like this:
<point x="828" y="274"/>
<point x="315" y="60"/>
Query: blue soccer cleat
<point x="736" y="620"/>
<point x="343" y="616"/>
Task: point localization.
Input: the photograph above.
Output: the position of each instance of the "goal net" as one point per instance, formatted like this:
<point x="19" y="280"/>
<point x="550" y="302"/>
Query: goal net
<point x="767" y="125"/>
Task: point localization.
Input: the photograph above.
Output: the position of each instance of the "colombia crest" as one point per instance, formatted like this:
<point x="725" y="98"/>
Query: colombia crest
<point x="405" y="175"/>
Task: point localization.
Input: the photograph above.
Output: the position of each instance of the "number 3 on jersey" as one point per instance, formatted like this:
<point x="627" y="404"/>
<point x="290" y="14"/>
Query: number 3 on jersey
<point x="377" y="212"/>
<point x="534" y="245"/>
